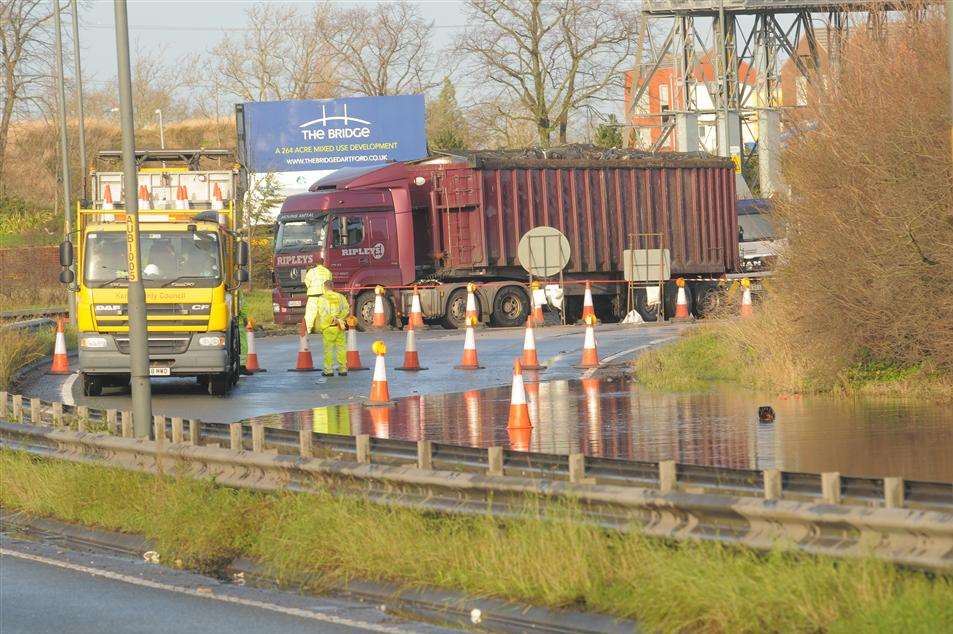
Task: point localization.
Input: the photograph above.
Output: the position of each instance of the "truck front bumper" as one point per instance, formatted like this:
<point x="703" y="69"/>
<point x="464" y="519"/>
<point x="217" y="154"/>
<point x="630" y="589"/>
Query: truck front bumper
<point x="108" y="358"/>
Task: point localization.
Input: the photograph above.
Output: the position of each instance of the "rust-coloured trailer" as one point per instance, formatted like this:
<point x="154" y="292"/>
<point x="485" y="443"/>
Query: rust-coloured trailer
<point x="483" y="207"/>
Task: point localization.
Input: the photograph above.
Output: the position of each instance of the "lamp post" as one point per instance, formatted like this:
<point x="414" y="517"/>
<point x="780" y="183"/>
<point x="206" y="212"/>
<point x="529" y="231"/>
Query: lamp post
<point x="80" y="115"/>
<point x="138" y="334"/>
<point x="64" y="146"/>
<point x="161" y="130"/>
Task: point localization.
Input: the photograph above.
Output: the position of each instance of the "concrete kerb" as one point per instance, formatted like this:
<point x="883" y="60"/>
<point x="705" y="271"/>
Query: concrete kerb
<point x="922" y="539"/>
<point x="433" y="604"/>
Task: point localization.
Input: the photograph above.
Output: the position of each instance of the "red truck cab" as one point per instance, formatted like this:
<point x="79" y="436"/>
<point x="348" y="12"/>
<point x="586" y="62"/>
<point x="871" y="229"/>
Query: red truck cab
<point x="357" y="219"/>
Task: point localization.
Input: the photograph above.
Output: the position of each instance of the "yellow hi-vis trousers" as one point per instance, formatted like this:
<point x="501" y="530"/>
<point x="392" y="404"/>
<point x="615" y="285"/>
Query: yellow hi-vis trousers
<point x="335" y="349"/>
<point x="311" y="314"/>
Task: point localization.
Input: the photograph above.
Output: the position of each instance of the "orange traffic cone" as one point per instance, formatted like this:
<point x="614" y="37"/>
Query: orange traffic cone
<point x="251" y="358"/>
<point x="469" y="360"/>
<point x="353" y="354"/>
<point x="416" y="317"/>
<point x="145" y="202"/>
<point x="537" y="300"/>
<point x="681" y="303"/>
<point x="519" y="409"/>
<point x="590" y="357"/>
<point x="588" y="309"/>
<point x="520" y="437"/>
<point x="217" y="201"/>
<point x="108" y="198"/>
<point x="380" y="395"/>
<point x="747" y="310"/>
<point x="380" y="318"/>
<point x="472" y="313"/>
<point x="530" y="359"/>
<point x="305" y="362"/>
<point x="181" y="198"/>
<point x="411" y="359"/>
<point x="60" y="359"/>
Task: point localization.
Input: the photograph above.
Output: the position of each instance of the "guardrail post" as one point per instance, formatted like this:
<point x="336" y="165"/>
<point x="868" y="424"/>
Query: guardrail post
<point x="126" y="423"/>
<point x="577" y="467"/>
<point x="57" y="414"/>
<point x="235" y="436"/>
<point x="667" y="476"/>
<point x="111" y="418"/>
<point x="36" y="416"/>
<point x="82" y="417"/>
<point x="425" y="455"/>
<point x="305" y="443"/>
<point x="3" y="403"/>
<point x="494" y="461"/>
<point x="893" y="493"/>
<point x="17" y="408"/>
<point x="195" y="431"/>
<point x="177" y="425"/>
<point x="258" y="437"/>
<point x="158" y="425"/>
<point x="772" y="484"/>
<point x="830" y="487"/>
<point x="362" y="445"/>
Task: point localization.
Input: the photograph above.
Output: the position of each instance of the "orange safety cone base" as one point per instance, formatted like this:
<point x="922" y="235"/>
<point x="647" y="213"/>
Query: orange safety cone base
<point x="302" y="369"/>
<point x="533" y="367"/>
<point x="247" y="371"/>
<point x="360" y="369"/>
<point x="469" y="367"/>
<point x="61" y="372"/>
<point x="407" y="369"/>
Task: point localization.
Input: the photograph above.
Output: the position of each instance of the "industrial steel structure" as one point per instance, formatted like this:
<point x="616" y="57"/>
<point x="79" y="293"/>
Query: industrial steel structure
<point x="756" y="34"/>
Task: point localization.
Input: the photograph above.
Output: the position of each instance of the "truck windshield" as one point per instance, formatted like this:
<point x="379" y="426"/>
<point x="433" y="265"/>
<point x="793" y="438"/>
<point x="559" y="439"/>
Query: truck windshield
<point x="181" y="258"/>
<point x="301" y="233"/>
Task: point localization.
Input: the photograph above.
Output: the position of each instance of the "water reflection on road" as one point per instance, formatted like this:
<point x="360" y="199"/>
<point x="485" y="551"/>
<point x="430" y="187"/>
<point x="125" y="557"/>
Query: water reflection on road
<point x="616" y="418"/>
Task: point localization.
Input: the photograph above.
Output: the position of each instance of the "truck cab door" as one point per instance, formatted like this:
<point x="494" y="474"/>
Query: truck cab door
<point x="348" y="237"/>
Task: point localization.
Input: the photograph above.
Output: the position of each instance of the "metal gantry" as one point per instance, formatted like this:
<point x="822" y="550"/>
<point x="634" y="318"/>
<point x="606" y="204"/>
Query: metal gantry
<point x="745" y="42"/>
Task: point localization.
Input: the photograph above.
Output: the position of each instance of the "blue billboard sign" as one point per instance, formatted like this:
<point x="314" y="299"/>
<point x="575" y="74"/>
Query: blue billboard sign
<point x="327" y="134"/>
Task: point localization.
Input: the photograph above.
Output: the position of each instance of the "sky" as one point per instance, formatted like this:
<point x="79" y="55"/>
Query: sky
<point x="174" y="28"/>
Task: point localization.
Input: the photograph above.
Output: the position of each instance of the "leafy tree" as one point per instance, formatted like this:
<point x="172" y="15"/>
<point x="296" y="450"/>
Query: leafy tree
<point x="609" y="134"/>
<point x="258" y="208"/>
<point x="447" y="127"/>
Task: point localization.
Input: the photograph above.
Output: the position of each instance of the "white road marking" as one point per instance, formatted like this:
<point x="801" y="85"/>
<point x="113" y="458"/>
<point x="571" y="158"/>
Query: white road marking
<point x="106" y="574"/>
<point x="66" y="390"/>
<point x="588" y="373"/>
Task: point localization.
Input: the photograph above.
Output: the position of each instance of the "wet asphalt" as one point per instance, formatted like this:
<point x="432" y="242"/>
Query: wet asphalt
<point x="278" y="390"/>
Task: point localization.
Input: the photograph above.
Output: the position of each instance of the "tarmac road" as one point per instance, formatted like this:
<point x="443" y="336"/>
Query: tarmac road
<point x="44" y="588"/>
<point x="275" y="391"/>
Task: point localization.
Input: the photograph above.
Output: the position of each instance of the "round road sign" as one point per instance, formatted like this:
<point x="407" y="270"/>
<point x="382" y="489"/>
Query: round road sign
<point x="543" y="251"/>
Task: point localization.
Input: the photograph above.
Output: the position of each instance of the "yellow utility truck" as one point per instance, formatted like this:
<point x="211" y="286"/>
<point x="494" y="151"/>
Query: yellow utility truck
<point x="193" y="263"/>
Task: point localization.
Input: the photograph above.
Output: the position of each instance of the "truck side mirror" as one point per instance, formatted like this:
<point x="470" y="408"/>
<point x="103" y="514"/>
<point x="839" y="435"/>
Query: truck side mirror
<point x="67" y="276"/>
<point x="242" y="254"/>
<point x="242" y="276"/>
<point x="66" y="253"/>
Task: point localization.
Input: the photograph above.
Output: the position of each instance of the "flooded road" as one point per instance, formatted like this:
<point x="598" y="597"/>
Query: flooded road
<point x="615" y="418"/>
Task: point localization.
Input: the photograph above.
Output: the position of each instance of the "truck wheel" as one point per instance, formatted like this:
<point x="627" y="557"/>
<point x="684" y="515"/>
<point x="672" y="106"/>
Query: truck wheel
<point x="510" y="307"/>
<point x="364" y="310"/>
<point x="92" y="385"/>
<point x="455" y="315"/>
<point x="648" y="313"/>
<point x="219" y="384"/>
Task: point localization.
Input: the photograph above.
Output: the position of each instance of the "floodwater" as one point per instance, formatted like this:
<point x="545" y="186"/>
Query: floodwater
<point x="615" y="418"/>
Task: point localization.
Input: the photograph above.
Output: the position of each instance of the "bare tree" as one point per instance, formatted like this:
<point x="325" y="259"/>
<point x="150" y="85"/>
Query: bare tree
<point x="549" y="58"/>
<point x="383" y="50"/>
<point x="281" y="55"/>
<point x="25" y="50"/>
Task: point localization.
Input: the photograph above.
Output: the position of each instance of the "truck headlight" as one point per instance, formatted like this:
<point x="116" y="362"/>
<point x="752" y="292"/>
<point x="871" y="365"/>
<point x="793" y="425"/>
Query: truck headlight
<point x="212" y="341"/>
<point x="92" y="342"/>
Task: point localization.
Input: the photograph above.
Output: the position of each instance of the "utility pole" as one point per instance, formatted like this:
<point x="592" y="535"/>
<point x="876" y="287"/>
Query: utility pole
<point x="78" y="72"/>
<point x="138" y="334"/>
<point x="64" y="147"/>
<point x="949" y="57"/>
<point x="161" y="129"/>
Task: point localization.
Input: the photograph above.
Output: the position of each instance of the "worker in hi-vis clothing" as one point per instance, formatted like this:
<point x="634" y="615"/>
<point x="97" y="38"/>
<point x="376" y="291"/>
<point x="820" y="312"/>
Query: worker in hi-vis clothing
<point x="314" y="281"/>
<point x="333" y="318"/>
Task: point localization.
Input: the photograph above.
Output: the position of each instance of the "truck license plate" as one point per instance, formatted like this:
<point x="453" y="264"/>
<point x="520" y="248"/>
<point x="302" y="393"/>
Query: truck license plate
<point x="160" y="370"/>
<point x="294" y="303"/>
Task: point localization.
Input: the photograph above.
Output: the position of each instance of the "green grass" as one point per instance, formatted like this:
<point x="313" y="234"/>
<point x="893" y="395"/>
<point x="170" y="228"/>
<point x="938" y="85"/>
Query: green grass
<point x="17" y="349"/>
<point x="258" y="306"/>
<point x="550" y="561"/>
<point x="691" y="363"/>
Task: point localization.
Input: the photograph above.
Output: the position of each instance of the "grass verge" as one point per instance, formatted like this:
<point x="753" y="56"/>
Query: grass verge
<point x="550" y="561"/>
<point x="18" y="348"/>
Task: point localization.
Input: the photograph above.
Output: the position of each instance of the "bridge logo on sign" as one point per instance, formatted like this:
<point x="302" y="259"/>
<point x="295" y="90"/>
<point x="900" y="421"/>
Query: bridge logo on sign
<point x="376" y="251"/>
<point x="354" y="127"/>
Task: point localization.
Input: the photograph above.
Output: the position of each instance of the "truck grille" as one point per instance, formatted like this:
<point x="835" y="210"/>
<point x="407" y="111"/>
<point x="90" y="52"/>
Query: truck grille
<point x="172" y="343"/>
<point x="290" y="280"/>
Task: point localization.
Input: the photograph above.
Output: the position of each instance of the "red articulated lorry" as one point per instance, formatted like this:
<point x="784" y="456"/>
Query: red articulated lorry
<point x="443" y="222"/>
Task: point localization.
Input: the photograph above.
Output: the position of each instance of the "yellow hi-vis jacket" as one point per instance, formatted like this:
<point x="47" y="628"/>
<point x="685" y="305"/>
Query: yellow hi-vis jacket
<point x="315" y="278"/>
<point x="332" y="308"/>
